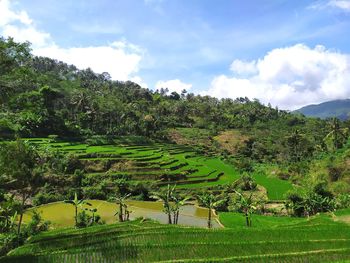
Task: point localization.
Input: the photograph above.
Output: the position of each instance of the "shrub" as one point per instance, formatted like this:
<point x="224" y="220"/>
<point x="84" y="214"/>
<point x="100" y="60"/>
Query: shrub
<point x="36" y="224"/>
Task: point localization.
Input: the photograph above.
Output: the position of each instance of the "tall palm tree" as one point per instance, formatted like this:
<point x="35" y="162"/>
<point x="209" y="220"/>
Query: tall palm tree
<point x="337" y="134"/>
<point x="77" y="203"/>
<point x="209" y="201"/>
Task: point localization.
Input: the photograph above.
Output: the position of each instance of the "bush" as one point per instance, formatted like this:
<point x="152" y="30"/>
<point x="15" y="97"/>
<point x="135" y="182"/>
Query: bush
<point x="36" y="224"/>
<point x="247" y="183"/>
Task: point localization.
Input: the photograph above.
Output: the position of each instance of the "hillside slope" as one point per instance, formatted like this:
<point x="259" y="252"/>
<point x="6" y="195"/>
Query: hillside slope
<point x="335" y="108"/>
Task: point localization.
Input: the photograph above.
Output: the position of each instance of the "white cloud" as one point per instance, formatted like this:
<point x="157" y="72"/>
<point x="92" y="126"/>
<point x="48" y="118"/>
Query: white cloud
<point x="120" y="58"/>
<point x="7" y="15"/>
<point x="291" y="77"/>
<point x="114" y="58"/>
<point x="173" y="85"/>
<point x="342" y="4"/>
<point x="243" y="67"/>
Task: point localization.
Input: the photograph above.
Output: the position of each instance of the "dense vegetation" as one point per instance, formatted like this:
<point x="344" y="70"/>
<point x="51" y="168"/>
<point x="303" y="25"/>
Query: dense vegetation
<point x="69" y="135"/>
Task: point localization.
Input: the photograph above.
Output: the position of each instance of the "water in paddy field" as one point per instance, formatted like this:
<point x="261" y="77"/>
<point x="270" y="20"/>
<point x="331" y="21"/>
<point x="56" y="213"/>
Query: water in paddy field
<point x="62" y="215"/>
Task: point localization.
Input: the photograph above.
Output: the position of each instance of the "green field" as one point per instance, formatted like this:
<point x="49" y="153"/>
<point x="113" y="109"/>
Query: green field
<point x="161" y="163"/>
<point x="319" y="239"/>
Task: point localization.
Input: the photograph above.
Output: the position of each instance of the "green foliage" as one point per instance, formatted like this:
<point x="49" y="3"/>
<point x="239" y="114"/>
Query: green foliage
<point x="310" y="202"/>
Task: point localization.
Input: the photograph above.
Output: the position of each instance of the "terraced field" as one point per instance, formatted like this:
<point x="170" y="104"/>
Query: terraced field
<point x="161" y="163"/>
<point x="158" y="163"/>
<point x="318" y="240"/>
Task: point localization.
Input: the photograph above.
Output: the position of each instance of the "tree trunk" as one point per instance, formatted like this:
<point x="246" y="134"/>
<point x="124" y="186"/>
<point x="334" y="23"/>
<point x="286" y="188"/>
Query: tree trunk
<point x="177" y="216"/>
<point x="21" y="215"/>
<point x="120" y="212"/>
<point x="247" y="219"/>
<point x="209" y="218"/>
<point x="169" y="217"/>
<point x="76" y="215"/>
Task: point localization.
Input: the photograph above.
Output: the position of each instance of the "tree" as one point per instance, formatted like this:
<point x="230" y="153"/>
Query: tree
<point x="336" y="134"/>
<point x="247" y="206"/>
<point x="166" y="197"/>
<point x="77" y="203"/>
<point x="177" y="203"/>
<point x="123" y="213"/>
<point x="8" y="214"/>
<point x="209" y="201"/>
<point x="20" y="170"/>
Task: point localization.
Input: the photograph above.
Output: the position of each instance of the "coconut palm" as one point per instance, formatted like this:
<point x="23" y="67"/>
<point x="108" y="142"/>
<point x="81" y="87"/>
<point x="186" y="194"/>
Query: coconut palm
<point x="77" y="203"/>
<point x="337" y="134"/>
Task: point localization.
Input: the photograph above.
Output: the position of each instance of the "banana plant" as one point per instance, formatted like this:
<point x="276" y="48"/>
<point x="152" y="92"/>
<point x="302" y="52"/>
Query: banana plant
<point x="122" y="207"/>
<point x="77" y="203"/>
<point x="209" y="201"/>
<point x="247" y="206"/>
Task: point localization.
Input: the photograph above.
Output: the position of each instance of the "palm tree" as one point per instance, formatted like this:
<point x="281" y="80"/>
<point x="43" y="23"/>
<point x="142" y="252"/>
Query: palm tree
<point x="120" y="200"/>
<point x="77" y="203"/>
<point x="209" y="201"/>
<point x="337" y="134"/>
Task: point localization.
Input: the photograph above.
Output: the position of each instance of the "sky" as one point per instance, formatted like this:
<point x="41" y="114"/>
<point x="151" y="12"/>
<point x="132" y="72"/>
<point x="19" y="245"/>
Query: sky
<point x="283" y="52"/>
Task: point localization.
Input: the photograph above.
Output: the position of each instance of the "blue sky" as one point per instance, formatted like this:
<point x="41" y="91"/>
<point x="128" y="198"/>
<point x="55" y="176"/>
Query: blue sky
<point x="289" y="53"/>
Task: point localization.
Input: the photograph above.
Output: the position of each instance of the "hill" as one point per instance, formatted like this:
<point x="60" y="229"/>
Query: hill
<point x="335" y="108"/>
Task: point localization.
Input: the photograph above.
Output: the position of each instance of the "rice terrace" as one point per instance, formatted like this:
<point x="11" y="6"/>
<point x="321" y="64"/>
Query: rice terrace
<point x="174" y="131"/>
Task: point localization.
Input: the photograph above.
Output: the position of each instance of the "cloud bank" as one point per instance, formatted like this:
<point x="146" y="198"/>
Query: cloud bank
<point x="288" y="77"/>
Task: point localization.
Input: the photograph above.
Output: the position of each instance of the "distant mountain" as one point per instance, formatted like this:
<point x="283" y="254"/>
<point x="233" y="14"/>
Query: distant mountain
<point x="334" y="108"/>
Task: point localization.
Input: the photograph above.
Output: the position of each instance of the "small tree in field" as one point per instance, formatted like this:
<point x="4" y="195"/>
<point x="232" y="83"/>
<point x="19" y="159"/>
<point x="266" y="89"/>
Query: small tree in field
<point x="123" y="212"/>
<point x="166" y="197"/>
<point x="247" y="206"/>
<point x="209" y="201"/>
<point x="77" y="203"/>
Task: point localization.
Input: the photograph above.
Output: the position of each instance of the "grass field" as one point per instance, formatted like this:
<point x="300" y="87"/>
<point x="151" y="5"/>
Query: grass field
<point x="157" y="162"/>
<point x="319" y="239"/>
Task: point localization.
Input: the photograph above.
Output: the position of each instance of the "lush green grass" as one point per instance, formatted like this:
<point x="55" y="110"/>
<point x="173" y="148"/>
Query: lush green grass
<point x="319" y="240"/>
<point x="234" y="220"/>
<point x="276" y="188"/>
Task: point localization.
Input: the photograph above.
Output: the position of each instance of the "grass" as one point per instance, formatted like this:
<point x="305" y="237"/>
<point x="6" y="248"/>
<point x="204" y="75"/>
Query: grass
<point x="276" y="188"/>
<point x="234" y="220"/>
<point x="277" y="240"/>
